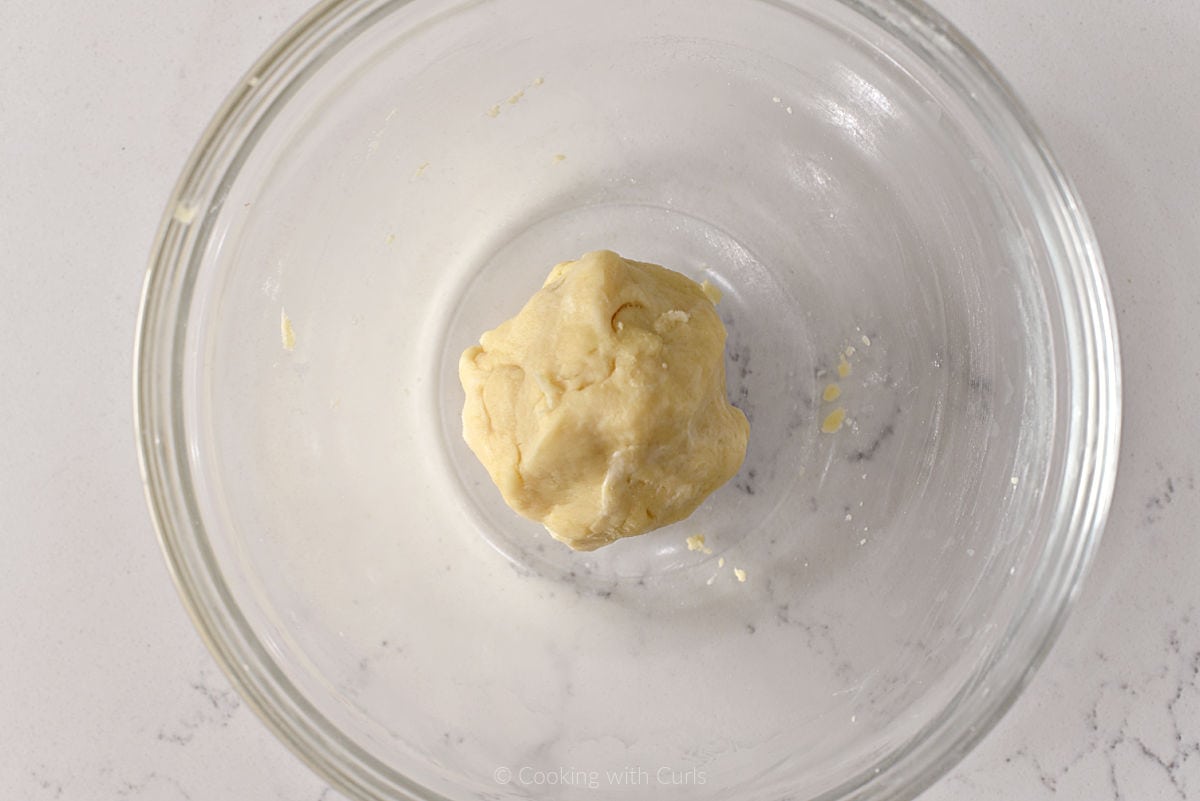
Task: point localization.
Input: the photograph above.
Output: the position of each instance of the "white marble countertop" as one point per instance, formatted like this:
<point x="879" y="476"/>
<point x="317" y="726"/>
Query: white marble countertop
<point x="105" y="689"/>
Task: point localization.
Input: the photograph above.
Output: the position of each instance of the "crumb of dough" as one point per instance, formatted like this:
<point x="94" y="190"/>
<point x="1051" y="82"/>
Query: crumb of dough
<point x="516" y="98"/>
<point x="494" y="111"/>
<point x="670" y="319"/>
<point x="741" y="574"/>
<point x="538" y="81"/>
<point x="843" y="368"/>
<point x="866" y="340"/>
<point x="833" y="421"/>
<point x="286" y="333"/>
<point x="569" y="409"/>
<point x="696" y="543"/>
<point x="389" y="239"/>
<point x="711" y="291"/>
<point x="421" y="169"/>
<point x="559" y="158"/>
<point x="184" y="213"/>
<point x="832" y="392"/>
<point x="721" y="561"/>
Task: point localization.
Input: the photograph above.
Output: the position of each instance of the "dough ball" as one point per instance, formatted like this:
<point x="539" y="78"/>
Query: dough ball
<point x="600" y="409"/>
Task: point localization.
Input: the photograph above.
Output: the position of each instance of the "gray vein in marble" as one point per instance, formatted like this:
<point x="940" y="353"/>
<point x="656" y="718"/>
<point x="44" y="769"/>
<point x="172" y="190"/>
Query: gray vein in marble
<point x="151" y="786"/>
<point x="747" y="485"/>
<point x="868" y="453"/>
<point x="53" y="787"/>
<point x="819" y="637"/>
<point x="1164" y="495"/>
<point x="366" y="666"/>
<point x="219" y="706"/>
<point x="1126" y="743"/>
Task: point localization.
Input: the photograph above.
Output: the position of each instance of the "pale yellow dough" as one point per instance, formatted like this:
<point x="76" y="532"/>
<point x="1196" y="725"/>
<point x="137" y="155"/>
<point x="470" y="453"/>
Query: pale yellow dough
<point x="600" y="409"/>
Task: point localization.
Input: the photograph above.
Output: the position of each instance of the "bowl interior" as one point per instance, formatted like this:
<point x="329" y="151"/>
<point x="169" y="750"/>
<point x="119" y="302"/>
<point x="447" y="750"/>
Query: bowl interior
<point x="411" y="187"/>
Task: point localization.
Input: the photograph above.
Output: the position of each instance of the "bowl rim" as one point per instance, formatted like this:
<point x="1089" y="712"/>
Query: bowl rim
<point x="1093" y="425"/>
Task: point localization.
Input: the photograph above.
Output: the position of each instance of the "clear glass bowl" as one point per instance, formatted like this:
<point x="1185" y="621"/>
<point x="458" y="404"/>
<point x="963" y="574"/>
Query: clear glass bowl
<point x="398" y="177"/>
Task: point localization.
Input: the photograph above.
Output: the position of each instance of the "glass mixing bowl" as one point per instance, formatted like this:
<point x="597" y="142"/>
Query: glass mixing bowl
<point x="393" y="178"/>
